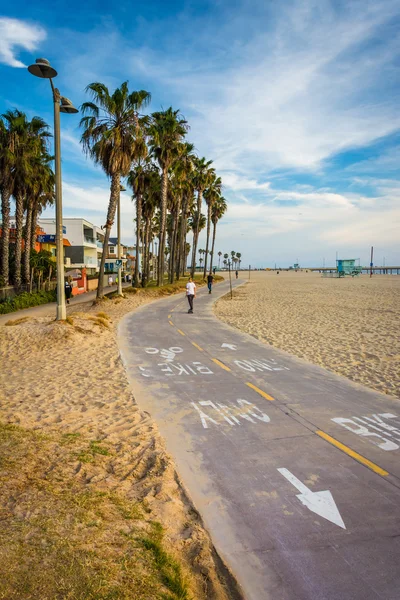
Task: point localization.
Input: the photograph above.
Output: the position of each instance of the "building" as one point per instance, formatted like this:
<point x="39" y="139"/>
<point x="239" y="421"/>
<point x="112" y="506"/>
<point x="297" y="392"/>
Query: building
<point x="85" y="240"/>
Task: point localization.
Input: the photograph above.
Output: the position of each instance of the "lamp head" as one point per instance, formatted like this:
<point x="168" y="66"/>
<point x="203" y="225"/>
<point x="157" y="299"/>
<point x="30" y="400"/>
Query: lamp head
<point x="42" y="68"/>
<point x="67" y="106"/>
<point x="122" y="188"/>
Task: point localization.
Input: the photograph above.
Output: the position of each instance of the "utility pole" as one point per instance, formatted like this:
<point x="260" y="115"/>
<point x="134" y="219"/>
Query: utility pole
<point x="119" y="246"/>
<point x="371" y="264"/>
<point x="230" y="277"/>
<point x="249" y="271"/>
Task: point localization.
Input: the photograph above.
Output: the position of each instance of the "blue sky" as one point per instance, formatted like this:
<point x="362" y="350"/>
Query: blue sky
<point x="296" y="102"/>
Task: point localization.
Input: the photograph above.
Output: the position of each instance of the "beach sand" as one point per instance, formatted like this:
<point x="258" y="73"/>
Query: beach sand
<point x="350" y="326"/>
<point x="69" y="378"/>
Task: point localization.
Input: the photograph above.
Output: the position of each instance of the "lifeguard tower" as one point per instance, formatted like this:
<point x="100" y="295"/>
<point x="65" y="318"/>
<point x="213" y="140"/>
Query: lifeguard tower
<point x="347" y="266"/>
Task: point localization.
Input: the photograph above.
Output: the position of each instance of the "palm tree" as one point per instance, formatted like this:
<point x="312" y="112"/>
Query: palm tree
<point x="31" y="146"/>
<point x="218" y="210"/>
<point x="183" y="186"/>
<point x="195" y="225"/>
<point x="239" y="256"/>
<point x="202" y="178"/>
<point x="138" y="180"/>
<point x="40" y="192"/>
<point x="219" y="257"/>
<point x="226" y="256"/>
<point x="166" y="132"/>
<point x="7" y="158"/>
<point x="110" y="136"/>
<point x="211" y="194"/>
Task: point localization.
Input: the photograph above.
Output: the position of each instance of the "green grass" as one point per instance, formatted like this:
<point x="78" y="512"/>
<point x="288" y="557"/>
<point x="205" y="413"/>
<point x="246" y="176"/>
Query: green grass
<point x="26" y="300"/>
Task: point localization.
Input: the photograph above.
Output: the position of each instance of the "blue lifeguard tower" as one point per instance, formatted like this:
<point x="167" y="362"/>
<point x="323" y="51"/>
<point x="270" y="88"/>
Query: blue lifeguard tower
<point x="347" y="266"/>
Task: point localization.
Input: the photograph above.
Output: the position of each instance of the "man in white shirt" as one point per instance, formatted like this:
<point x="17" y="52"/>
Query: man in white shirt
<point x="190" y="293"/>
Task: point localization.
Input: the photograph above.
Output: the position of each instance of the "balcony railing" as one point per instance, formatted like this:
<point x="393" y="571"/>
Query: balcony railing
<point x="89" y="240"/>
<point x="90" y="261"/>
<point x="99" y="244"/>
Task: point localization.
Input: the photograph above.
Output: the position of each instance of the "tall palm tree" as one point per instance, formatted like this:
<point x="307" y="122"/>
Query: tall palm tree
<point x="31" y="146"/>
<point x="211" y="195"/>
<point x="196" y="224"/>
<point x="109" y="137"/>
<point x="218" y="210"/>
<point x="8" y="144"/>
<point x="40" y="192"/>
<point x="202" y="178"/>
<point x="219" y="255"/>
<point x="226" y="256"/>
<point x="239" y="257"/>
<point x="138" y="179"/>
<point x="166" y="132"/>
<point x="183" y="182"/>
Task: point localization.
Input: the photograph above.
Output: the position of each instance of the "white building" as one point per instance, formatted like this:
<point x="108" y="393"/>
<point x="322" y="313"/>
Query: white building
<point x="86" y="242"/>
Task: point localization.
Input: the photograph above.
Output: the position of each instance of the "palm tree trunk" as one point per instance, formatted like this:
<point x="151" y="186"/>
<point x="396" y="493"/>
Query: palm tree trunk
<point x="180" y="264"/>
<point x="112" y="207"/>
<point x="138" y="224"/>
<point x="35" y="212"/>
<point x="19" y="217"/>
<point x="28" y="243"/>
<point x="163" y="222"/>
<point x="5" y="238"/>
<point x="208" y="239"/>
<point x="213" y="243"/>
<point x="174" y="240"/>
<point x="196" y="237"/>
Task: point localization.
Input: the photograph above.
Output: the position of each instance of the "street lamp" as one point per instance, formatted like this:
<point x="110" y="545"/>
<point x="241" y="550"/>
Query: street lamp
<point x="44" y="70"/>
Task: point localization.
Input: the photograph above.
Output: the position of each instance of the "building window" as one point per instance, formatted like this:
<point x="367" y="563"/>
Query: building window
<point x="112" y="250"/>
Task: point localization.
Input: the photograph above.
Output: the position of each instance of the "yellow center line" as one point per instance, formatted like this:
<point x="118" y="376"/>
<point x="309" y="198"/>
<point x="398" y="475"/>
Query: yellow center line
<point x="181" y="332"/>
<point x="263" y="394"/>
<point x="355" y="455"/>
<point x="197" y="346"/>
<point x="170" y="322"/>
<point x="221" y="364"/>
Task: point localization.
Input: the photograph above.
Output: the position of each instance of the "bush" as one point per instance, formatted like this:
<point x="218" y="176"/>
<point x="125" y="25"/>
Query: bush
<point x="25" y="300"/>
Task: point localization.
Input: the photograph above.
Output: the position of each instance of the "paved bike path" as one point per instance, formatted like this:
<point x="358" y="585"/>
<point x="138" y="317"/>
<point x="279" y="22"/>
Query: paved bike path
<point x="255" y="434"/>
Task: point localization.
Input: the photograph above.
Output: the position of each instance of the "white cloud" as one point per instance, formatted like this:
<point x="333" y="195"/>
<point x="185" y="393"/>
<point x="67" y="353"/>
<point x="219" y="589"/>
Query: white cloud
<point x="14" y="33"/>
<point x="236" y="182"/>
<point x="290" y="94"/>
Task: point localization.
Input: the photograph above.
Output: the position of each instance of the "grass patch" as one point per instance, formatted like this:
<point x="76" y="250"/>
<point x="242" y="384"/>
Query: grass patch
<point x="87" y="455"/>
<point x="61" y="537"/>
<point x="170" y="570"/>
<point x="99" y="321"/>
<point x="17" y="321"/>
<point x="103" y="315"/>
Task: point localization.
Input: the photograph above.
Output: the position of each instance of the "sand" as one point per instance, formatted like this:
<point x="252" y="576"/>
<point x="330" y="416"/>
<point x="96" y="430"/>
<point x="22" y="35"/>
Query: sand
<point x="350" y="326"/>
<point x="69" y="378"/>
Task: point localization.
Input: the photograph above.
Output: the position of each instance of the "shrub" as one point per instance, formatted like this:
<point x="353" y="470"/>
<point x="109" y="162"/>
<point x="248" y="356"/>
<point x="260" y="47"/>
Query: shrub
<point x="25" y="300"/>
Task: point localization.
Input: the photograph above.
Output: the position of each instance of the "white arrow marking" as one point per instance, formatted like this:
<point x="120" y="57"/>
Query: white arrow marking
<point x="321" y="503"/>
<point x="230" y="346"/>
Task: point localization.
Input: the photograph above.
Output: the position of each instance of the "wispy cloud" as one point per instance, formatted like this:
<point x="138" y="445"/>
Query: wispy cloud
<point x="15" y="33"/>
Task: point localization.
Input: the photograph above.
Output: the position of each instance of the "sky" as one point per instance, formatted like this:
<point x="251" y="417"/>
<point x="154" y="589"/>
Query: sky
<point x="296" y="102"/>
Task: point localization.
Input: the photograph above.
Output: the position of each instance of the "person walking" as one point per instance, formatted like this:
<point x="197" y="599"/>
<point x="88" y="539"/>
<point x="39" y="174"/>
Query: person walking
<point x="190" y="293"/>
<point x="210" y="281"/>
<point x="110" y="281"/>
<point x="68" y="291"/>
<point x="237" y="274"/>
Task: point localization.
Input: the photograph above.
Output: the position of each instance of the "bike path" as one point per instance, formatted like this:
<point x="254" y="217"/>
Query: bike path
<point x="255" y="434"/>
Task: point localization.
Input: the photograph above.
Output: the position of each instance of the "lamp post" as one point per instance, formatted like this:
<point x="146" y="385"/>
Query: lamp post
<point x="44" y="70"/>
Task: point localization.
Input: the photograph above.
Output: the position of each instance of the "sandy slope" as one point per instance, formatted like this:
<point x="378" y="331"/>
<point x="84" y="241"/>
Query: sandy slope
<point x="70" y="377"/>
<point x="350" y="326"/>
